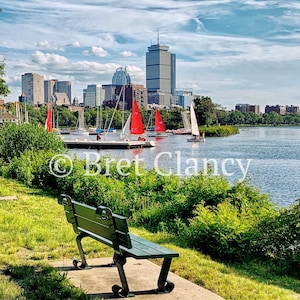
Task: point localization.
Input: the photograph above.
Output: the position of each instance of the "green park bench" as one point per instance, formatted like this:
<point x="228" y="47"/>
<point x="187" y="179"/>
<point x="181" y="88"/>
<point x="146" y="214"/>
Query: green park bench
<point x="112" y="230"/>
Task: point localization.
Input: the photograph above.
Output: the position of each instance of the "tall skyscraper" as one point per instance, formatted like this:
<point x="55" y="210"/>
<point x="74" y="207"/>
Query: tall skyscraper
<point x="160" y="74"/>
<point x="33" y="88"/>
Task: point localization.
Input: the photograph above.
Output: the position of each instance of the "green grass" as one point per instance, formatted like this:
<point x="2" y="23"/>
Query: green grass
<point x="34" y="232"/>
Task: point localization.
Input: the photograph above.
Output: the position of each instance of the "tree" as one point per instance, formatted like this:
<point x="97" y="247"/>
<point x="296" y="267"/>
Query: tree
<point x="236" y="117"/>
<point x="4" y="90"/>
<point x="205" y="110"/>
<point x="273" y="118"/>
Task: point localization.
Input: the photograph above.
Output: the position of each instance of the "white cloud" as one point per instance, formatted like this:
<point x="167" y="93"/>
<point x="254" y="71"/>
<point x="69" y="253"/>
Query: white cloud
<point x="51" y="37"/>
<point x="96" y="51"/>
<point x="49" y="58"/>
<point x="127" y="54"/>
<point x="75" y="44"/>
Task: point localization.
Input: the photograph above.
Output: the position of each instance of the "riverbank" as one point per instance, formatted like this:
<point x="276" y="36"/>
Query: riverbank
<point x="34" y="233"/>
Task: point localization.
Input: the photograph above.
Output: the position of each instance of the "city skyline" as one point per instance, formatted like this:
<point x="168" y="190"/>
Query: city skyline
<point x="233" y="52"/>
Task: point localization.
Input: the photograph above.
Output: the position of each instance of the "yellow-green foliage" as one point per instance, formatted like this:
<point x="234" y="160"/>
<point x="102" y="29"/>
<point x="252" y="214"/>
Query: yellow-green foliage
<point x="223" y="130"/>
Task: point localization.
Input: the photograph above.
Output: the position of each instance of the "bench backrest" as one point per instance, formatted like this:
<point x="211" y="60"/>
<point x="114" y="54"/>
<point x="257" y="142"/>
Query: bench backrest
<point x="100" y="223"/>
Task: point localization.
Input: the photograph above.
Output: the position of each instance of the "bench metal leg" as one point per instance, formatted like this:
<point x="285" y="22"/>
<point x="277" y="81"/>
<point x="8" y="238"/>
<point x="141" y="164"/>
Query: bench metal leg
<point x="83" y="261"/>
<point x="165" y="286"/>
<point x="123" y="291"/>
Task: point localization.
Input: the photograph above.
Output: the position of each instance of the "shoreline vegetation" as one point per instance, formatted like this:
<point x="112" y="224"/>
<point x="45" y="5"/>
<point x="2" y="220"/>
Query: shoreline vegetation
<point x="218" y="131"/>
<point x="207" y="112"/>
<point x="232" y="240"/>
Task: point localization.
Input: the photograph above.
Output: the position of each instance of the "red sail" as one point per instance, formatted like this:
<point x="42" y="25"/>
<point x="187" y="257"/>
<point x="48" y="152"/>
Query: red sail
<point x="137" y="125"/>
<point x="49" y="118"/>
<point x="159" y="123"/>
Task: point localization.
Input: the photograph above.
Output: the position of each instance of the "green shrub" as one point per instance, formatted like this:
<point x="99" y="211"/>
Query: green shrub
<point x="31" y="168"/>
<point x="224" y="230"/>
<point x="15" y="139"/>
<point x="242" y="195"/>
<point x="171" y="201"/>
<point x="277" y="239"/>
<point x="208" y="188"/>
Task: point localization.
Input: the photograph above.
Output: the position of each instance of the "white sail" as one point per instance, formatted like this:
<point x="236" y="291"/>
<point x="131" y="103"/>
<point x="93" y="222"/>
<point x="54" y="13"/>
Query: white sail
<point x="194" y="123"/>
<point x="186" y="121"/>
<point x="126" y="129"/>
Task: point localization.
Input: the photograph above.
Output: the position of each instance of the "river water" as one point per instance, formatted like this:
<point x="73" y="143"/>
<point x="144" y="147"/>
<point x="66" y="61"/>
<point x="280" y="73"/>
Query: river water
<point x="267" y="157"/>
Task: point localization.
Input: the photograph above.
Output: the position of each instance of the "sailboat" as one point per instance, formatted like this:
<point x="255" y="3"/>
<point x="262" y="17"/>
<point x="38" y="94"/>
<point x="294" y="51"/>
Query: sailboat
<point x="98" y="129"/>
<point x="186" y="123"/>
<point x="159" y="128"/>
<point x="134" y="126"/>
<point x="81" y="127"/>
<point x="195" y="129"/>
<point x="49" y="124"/>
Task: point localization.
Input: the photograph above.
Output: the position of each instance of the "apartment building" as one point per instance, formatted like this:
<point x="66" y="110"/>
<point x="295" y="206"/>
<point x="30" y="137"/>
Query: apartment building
<point x="246" y="108"/>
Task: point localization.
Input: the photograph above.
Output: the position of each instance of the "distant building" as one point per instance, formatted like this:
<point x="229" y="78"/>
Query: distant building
<point x="136" y="92"/>
<point x="61" y="99"/>
<point x="75" y="101"/>
<point x="53" y="86"/>
<point x="132" y="91"/>
<point x="23" y="98"/>
<point x="183" y="98"/>
<point x="160" y="75"/>
<point x="280" y="109"/>
<point x="246" y="108"/>
<point x="49" y="89"/>
<point x="114" y="92"/>
<point x="4" y="118"/>
<point x="64" y="87"/>
<point x="121" y="77"/>
<point x="93" y="95"/>
<point x="33" y="88"/>
<point x="110" y="92"/>
<point x="292" y="109"/>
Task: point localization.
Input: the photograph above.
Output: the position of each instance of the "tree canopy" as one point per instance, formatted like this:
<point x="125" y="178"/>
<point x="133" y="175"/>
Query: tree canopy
<point x="4" y="90"/>
<point x="206" y="110"/>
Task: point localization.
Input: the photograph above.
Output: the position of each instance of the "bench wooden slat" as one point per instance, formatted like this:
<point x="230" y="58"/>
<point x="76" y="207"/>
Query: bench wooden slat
<point x="97" y="228"/>
<point x="143" y="249"/>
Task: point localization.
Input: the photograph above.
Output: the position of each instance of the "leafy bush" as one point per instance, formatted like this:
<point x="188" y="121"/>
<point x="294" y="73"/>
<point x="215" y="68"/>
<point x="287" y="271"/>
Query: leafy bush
<point x="15" y="139"/>
<point x="171" y="201"/>
<point x="223" y="230"/>
<point x="277" y="239"/>
<point x="31" y="168"/>
<point x="208" y="188"/>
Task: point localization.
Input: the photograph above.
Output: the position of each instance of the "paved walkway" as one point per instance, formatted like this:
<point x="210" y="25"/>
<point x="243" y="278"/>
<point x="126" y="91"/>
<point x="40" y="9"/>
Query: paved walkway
<point x="142" y="278"/>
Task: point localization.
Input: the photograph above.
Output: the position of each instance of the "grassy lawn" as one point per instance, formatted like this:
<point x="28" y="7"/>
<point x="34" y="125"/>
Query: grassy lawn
<point x="34" y="232"/>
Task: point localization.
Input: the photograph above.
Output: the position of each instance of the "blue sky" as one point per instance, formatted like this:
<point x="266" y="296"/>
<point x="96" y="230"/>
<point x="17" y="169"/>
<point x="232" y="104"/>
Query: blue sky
<point x="232" y="51"/>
